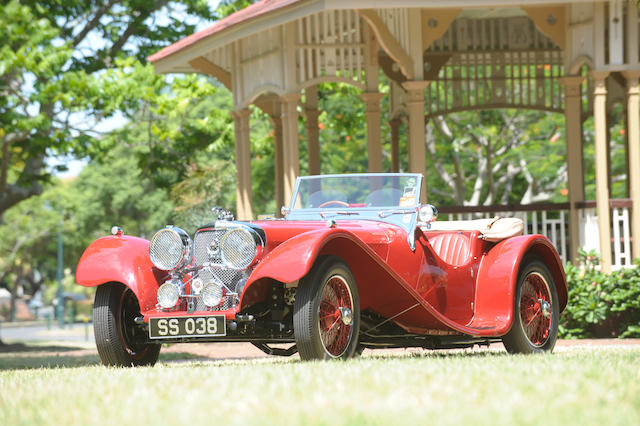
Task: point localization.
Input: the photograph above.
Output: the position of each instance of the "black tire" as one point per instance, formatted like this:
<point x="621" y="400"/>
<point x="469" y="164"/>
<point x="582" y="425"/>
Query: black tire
<point x="533" y="331"/>
<point x="329" y="283"/>
<point x="119" y="340"/>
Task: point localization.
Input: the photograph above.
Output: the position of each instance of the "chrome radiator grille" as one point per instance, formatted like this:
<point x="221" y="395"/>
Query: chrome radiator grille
<point x="207" y="251"/>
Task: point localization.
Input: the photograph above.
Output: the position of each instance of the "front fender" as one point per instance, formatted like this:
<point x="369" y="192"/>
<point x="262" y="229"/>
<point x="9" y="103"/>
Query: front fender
<point x="292" y="259"/>
<point x="498" y="277"/>
<point x="123" y="259"/>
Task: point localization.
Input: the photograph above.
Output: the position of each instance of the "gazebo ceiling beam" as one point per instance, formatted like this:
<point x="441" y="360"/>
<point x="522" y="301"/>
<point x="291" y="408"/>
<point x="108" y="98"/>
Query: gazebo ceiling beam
<point x="388" y="42"/>
<point x="207" y="67"/>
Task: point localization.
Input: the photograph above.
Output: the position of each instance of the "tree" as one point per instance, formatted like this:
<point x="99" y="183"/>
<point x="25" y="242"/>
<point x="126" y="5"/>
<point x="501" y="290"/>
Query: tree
<point x="25" y="248"/>
<point x="496" y="157"/>
<point x="50" y="85"/>
<point x="227" y="7"/>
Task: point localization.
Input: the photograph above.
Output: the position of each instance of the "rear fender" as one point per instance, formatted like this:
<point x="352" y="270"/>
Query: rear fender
<point x="123" y="259"/>
<point x="498" y="277"/>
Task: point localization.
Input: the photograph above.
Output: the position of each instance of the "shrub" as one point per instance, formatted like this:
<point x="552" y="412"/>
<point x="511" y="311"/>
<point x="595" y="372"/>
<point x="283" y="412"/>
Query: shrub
<point x="601" y="305"/>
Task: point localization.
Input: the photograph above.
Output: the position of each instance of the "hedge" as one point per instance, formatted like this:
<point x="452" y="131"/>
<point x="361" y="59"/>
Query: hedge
<point x="601" y="305"/>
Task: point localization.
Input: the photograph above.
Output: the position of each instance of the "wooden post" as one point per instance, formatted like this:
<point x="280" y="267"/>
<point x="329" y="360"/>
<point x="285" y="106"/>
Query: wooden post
<point x="291" y="155"/>
<point x="278" y="163"/>
<point x="417" y="149"/>
<point x="395" y="124"/>
<point x="573" y="130"/>
<point x="313" y="137"/>
<point x="244" y="207"/>
<point x="374" y="145"/>
<point x="601" y="147"/>
<point x="633" y="134"/>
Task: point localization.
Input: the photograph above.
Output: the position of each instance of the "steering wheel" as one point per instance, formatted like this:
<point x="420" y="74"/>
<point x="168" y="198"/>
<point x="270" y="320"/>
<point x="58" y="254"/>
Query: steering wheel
<point x="338" y="202"/>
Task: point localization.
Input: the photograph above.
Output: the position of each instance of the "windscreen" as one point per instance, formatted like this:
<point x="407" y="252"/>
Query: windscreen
<point x="357" y="191"/>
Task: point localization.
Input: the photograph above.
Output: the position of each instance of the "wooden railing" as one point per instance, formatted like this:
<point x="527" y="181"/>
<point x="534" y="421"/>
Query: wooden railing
<point x="552" y="220"/>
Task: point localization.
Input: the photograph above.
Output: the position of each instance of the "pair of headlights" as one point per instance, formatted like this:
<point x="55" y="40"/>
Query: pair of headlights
<point x="170" y="248"/>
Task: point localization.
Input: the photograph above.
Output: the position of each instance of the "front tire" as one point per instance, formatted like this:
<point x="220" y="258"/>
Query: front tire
<point x="326" y="312"/>
<point x="119" y="340"/>
<point x="536" y="312"/>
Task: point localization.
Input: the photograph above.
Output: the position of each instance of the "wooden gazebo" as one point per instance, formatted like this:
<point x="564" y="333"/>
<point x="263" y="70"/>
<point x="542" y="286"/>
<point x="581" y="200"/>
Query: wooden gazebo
<point x="440" y="57"/>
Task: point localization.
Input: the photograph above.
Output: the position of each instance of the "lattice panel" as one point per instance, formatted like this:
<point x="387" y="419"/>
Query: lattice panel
<point x="330" y="44"/>
<point x="499" y="80"/>
<point x="490" y="35"/>
<point x="495" y="63"/>
<point x="397" y="21"/>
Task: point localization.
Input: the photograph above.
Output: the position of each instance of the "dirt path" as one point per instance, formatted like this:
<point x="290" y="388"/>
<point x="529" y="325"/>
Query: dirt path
<point x="217" y="351"/>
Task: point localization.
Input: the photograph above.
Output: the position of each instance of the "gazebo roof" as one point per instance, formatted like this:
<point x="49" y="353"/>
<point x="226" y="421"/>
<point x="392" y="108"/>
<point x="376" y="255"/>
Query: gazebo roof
<point x="251" y="12"/>
<point x="247" y="21"/>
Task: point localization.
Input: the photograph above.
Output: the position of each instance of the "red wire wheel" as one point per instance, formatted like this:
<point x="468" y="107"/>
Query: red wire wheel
<point x="326" y="311"/>
<point x="336" y="315"/>
<point x="536" y="311"/>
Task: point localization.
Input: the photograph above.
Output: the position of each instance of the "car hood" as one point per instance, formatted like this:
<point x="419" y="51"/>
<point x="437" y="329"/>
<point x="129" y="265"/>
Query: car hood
<point x="377" y="235"/>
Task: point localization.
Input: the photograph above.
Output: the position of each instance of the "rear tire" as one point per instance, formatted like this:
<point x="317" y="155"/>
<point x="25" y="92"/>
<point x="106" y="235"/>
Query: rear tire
<point x="536" y="311"/>
<point x="326" y="312"/>
<point x="119" y="340"/>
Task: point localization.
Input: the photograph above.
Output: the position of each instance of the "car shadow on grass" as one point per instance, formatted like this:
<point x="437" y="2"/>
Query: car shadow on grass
<point x="21" y="356"/>
<point x="7" y="348"/>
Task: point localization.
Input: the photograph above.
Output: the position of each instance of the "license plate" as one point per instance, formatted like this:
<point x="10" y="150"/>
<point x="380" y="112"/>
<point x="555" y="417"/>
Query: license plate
<point x="169" y="328"/>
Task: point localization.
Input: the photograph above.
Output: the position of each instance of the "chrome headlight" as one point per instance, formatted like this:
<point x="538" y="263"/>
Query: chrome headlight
<point x="427" y="213"/>
<point x="239" y="247"/>
<point x="168" y="295"/>
<point x="170" y="248"/>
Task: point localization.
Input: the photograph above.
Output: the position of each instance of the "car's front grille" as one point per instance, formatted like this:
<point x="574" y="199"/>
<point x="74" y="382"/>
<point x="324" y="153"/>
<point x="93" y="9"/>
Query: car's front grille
<point x="207" y="251"/>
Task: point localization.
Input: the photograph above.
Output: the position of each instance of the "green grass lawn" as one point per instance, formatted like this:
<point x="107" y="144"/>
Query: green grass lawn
<point x="575" y="385"/>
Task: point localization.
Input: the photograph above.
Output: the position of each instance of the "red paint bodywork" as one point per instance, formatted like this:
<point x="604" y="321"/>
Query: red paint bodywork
<point x="453" y="282"/>
<point x="125" y="260"/>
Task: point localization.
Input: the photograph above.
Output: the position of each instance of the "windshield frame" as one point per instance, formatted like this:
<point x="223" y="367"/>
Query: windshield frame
<point x="327" y="210"/>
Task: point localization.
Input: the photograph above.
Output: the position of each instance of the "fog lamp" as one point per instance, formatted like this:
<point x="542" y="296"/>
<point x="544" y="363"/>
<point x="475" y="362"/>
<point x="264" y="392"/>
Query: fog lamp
<point x="168" y="295"/>
<point x="211" y="294"/>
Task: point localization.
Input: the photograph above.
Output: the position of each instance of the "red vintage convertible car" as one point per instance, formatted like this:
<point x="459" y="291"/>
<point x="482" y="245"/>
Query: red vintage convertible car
<point x="356" y="263"/>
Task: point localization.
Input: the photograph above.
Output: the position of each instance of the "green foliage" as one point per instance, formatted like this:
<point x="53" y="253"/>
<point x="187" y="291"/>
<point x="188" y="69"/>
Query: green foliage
<point x="601" y="305"/>
<point x="52" y="92"/>
<point x="343" y="137"/>
<point x="496" y="157"/>
<point x="113" y="192"/>
<point x="167" y="122"/>
<point x="227" y="7"/>
<point x="29" y="232"/>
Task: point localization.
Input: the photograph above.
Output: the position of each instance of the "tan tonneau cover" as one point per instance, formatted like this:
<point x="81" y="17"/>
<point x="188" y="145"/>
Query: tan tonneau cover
<point x="493" y="229"/>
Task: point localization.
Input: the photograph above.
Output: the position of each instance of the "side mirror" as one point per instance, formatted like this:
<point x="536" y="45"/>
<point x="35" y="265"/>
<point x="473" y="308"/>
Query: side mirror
<point x="284" y="211"/>
<point x="427" y="213"/>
